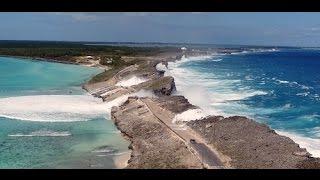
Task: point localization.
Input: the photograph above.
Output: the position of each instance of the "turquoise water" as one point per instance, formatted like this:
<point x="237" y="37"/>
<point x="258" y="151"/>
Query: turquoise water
<point x="36" y="138"/>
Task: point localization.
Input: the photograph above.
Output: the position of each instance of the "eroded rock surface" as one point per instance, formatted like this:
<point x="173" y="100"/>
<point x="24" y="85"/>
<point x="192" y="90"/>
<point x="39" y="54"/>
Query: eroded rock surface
<point x="252" y="145"/>
<point x="153" y="144"/>
<point x="175" y="104"/>
<point x="162" y="86"/>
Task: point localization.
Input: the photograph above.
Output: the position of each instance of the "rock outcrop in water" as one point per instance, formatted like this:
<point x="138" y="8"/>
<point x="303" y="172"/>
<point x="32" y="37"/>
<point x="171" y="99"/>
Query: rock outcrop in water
<point x="162" y="86"/>
<point x="175" y="104"/>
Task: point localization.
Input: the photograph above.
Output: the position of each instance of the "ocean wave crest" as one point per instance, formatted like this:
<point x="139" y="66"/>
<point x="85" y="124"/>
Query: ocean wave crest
<point x="57" y="108"/>
<point x="42" y="133"/>
<point x="189" y="115"/>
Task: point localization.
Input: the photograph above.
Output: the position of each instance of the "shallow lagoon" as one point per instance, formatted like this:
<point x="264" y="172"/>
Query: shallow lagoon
<point x="91" y="141"/>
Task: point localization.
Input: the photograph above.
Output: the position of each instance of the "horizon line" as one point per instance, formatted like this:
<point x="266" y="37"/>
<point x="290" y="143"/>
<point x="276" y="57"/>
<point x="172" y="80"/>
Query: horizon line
<point x="151" y="42"/>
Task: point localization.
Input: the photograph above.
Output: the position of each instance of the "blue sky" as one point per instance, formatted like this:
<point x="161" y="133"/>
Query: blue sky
<point x="288" y="29"/>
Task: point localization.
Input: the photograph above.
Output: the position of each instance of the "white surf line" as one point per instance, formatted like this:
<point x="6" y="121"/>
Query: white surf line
<point x="312" y="145"/>
<point x="134" y="80"/>
<point x="42" y="133"/>
<point x="53" y="108"/>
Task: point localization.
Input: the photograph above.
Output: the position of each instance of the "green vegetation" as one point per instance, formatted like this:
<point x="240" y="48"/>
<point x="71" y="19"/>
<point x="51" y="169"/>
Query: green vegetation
<point x="111" y="56"/>
<point x="65" y="51"/>
<point x="114" y="60"/>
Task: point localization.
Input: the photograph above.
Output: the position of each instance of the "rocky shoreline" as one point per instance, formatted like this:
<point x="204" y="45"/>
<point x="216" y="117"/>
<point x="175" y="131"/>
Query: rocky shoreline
<point x="213" y="142"/>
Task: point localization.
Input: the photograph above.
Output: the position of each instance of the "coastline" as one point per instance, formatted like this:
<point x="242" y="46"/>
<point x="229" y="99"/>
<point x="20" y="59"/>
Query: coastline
<point x="41" y="59"/>
<point x="300" y="154"/>
<point x="125" y="161"/>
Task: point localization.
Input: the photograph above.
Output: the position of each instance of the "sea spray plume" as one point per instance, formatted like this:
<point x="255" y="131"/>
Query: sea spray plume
<point x="189" y="115"/>
<point x="134" y="80"/>
<point x="144" y="93"/>
<point x="197" y="95"/>
<point x="161" y="67"/>
<point x="194" y="87"/>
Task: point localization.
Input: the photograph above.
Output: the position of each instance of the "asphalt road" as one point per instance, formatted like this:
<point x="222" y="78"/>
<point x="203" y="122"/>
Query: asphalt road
<point x="206" y="155"/>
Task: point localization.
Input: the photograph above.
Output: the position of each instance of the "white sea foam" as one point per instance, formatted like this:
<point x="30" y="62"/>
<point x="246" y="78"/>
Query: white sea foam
<point x="220" y="97"/>
<point x="311" y="144"/>
<point x="104" y="150"/>
<point x="134" y="80"/>
<point x="52" y="107"/>
<point x="161" y="67"/>
<point x="293" y="83"/>
<point x="259" y="50"/>
<point x="195" y="58"/>
<point x="197" y="87"/>
<point x="249" y="78"/>
<point x="287" y="106"/>
<point x="144" y="93"/>
<point x="57" y="108"/>
<point x="193" y="86"/>
<point x="61" y="108"/>
<point x="316" y="131"/>
<point x="303" y="94"/>
<point x="282" y="82"/>
<point x="305" y="87"/>
<point x="42" y="133"/>
<point x="310" y="117"/>
<point x="263" y="50"/>
<point x="216" y="60"/>
<point x="110" y="92"/>
<point x="191" y="114"/>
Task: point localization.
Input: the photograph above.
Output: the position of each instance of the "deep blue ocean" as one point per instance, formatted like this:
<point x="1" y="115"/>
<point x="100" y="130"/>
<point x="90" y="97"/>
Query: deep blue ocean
<point x="279" y="87"/>
<point x="48" y="121"/>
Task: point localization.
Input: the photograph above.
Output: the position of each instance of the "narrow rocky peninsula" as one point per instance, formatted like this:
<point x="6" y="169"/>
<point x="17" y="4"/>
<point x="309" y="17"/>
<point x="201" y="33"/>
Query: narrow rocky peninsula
<point x="157" y="141"/>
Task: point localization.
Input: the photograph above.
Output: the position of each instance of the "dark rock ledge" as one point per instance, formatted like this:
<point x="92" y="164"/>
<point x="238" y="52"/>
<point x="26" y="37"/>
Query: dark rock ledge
<point x="252" y="145"/>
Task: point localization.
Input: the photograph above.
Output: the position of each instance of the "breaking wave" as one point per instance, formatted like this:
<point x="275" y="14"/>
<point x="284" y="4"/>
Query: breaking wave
<point x="131" y="81"/>
<point x="216" y="95"/>
<point x="196" y="86"/>
<point x="42" y="133"/>
<point x="293" y="83"/>
<point x="61" y="108"/>
<point x="258" y="50"/>
<point x="56" y="108"/>
<point x="189" y="115"/>
<point x="216" y="60"/>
